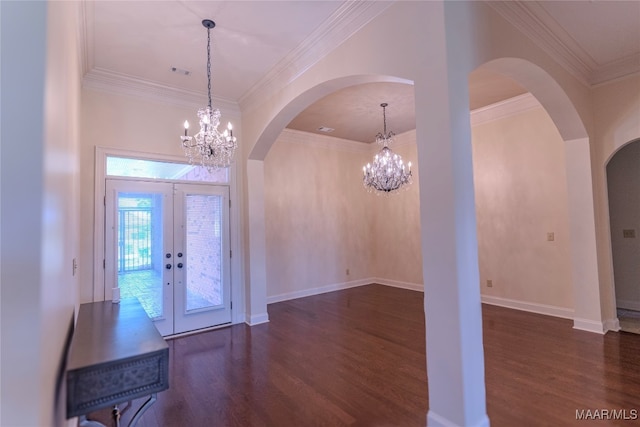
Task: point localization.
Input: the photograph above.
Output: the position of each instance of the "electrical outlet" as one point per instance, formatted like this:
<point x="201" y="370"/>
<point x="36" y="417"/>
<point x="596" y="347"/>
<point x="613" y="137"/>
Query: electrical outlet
<point x="489" y="283"/>
<point x="629" y="234"/>
<point x="551" y="236"/>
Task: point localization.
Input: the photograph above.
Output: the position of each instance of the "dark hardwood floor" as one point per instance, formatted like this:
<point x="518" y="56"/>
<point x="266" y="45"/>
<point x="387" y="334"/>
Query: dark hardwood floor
<point x="357" y="357"/>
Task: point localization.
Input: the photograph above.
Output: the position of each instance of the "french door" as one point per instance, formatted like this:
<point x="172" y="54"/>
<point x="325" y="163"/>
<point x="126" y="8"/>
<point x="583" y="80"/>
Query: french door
<point x="167" y="244"/>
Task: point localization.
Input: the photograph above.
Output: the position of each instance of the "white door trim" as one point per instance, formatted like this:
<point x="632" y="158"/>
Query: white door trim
<point x="235" y="220"/>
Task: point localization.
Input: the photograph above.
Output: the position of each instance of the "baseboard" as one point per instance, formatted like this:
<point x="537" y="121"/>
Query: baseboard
<point x="589" y="326"/>
<point x="318" y="290"/>
<point x="435" y="420"/>
<point x="612" y="325"/>
<point x="548" y="310"/>
<point x="628" y="304"/>
<point x="397" y="284"/>
<point x="256" y="319"/>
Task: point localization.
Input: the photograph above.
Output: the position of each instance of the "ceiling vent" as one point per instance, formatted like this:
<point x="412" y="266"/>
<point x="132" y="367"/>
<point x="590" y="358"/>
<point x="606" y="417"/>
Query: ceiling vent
<point x="325" y="129"/>
<point x="180" y="71"/>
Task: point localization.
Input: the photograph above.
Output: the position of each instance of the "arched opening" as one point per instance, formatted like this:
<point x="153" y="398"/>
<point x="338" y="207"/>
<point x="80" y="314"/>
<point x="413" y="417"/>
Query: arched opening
<point x="257" y="283"/>
<point x="520" y="186"/>
<point x="584" y="272"/>
<point x="623" y="189"/>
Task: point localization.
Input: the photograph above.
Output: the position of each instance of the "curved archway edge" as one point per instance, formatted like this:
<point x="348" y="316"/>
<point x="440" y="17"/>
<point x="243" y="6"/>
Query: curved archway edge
<point x="580" y="190"/>
<point x="302" y="101"/>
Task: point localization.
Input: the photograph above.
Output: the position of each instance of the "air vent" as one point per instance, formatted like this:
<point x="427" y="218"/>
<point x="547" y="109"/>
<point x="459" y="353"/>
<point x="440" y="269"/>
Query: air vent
<point x="180" y="71"/>
<point x="325" y="129"/>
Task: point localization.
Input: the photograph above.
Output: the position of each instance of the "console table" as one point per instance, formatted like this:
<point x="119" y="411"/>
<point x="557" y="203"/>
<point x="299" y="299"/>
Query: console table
<point x="116" y="355"/>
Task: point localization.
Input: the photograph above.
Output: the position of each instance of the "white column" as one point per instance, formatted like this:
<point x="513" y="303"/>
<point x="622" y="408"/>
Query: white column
<point x="256" y="303"/>
<point x="455" y="355"/>
<point x="584" y="261"/>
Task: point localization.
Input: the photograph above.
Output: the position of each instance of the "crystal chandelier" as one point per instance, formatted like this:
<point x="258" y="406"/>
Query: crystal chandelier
<point x="209" y="147"/>
<point x="388" y="174"/>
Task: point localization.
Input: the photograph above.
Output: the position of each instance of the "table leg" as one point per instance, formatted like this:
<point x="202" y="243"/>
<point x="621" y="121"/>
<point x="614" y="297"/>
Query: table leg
<point x="141" y="410"/>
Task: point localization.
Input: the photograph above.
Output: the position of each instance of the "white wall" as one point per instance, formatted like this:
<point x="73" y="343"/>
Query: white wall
<point x="40" y="118"/>
<point x="623" y="179"/>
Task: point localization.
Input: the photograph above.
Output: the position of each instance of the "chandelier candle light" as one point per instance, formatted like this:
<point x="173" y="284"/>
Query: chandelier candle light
<point x="388" y="174"/>
<point x="209" y="147"/>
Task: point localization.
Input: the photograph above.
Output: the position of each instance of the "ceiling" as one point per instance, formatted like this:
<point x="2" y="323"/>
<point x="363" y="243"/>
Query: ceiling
<point x="255" y="42"/>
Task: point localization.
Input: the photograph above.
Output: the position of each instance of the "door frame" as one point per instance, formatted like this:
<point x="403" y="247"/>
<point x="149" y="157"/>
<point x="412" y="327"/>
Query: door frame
<point x="100" y="290"/>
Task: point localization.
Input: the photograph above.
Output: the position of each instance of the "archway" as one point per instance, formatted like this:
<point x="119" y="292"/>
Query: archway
<point x="256" y="302"/>
<point x="623" y="189"/>
<point x="586" y="292"/>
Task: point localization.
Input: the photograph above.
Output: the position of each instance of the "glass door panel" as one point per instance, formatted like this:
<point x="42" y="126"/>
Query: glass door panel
<point x="138" y="241"/>
<point x="202" y="235"/>
<point x="203" y="281"/>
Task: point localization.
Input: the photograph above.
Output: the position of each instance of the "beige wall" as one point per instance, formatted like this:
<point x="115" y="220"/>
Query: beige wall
<point x="40" y="124"/>
<point x="319" y="220"/>
<point x="398" y="255"/>
<point x="126" y="123"/>
<point x="521" y="195"/>
<point x="623" y="179"/>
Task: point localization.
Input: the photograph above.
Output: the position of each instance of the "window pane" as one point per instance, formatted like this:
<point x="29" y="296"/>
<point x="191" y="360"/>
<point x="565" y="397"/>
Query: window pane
<point x="139" y="168"/>
<point x="140" y="260"/>
<point x="204" y="251"/>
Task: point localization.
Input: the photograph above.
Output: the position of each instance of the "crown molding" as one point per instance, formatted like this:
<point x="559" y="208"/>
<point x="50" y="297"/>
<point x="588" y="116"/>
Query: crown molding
<point x="348" y="19"/>
<point x="85" y="35"/>
<point x="616" y="69"/>
<point x="503" y="109"/>
<point x="524" y="19"/>
<point x="123" y="84"/>
<point x="500" y="110"/>
<point x="291" y="136"/>
<point x="537" y="24"/>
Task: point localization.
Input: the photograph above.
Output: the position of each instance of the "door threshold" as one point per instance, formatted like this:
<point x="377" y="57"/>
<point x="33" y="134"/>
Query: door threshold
<point x="197" y="331"/>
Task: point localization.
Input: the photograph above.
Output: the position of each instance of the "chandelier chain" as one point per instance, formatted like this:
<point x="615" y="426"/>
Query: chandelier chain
<point x="384" y="118"/>
<point x="209" y="64"/>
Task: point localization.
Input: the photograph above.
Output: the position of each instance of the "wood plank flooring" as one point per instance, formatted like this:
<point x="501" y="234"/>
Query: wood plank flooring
<point x="357" y="357"/>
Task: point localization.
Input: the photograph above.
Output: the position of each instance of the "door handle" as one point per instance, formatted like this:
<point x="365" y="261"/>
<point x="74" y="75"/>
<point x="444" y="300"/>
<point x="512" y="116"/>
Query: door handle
<point x="168" y="266"/>
<point x="179" y="265"/>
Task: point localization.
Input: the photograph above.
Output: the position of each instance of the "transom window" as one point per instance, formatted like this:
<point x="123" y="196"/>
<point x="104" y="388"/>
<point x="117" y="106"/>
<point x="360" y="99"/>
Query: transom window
<point x="155" y="169"/>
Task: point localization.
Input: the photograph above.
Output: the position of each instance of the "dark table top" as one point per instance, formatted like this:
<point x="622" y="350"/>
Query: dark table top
<point x="107" y="332"/>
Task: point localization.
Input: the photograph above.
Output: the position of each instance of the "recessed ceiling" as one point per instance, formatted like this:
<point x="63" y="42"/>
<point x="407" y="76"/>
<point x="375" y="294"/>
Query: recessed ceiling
<point x="355" y="113"/>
